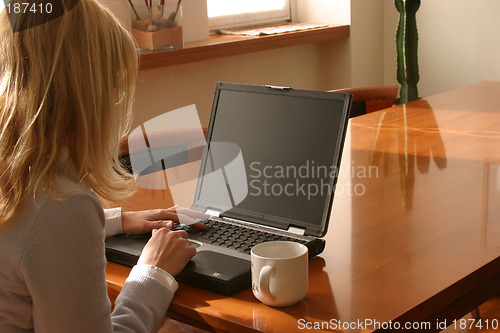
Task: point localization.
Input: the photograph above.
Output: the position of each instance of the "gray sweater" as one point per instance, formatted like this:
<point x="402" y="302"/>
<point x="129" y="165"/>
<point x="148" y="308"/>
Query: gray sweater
<point x="52" y="272"/>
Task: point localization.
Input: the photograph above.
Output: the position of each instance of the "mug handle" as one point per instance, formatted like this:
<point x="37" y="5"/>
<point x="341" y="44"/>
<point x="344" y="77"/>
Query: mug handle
<point x="264" y="277"/>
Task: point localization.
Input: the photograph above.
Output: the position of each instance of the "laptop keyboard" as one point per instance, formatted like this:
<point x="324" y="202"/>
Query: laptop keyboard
<point x="235" y="237"/>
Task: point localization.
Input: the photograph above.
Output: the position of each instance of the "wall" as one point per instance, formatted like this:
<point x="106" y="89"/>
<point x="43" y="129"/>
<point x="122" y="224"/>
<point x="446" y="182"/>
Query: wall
<point x="367" y="43"/>
<point x="163" y="89"/>
<point x="321" y="11"/>
<point x="317" y="66"/>
<point x="359" y="61"/>
<point x="391" y="19"/>
<point x="356" y="61"/>
<point x="459" y="43"/>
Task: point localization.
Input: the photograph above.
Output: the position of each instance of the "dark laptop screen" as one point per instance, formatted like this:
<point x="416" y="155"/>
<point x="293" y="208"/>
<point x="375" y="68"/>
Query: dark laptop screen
<point x="273" y="155"/>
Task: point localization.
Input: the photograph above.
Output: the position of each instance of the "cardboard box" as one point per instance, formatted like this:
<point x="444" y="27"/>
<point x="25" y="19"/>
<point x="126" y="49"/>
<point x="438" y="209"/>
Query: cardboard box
<point x="163" y="38"/>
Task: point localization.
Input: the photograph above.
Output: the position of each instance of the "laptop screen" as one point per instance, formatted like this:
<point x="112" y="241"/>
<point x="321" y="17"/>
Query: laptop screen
<point x="272" y="155"/>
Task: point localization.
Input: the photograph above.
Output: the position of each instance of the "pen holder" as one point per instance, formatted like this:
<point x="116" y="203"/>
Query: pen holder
<point x="157" y="25"/>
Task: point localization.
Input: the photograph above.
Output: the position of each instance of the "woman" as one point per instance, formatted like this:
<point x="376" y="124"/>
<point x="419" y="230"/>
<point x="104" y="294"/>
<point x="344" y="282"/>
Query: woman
<point x="66" y="87"/>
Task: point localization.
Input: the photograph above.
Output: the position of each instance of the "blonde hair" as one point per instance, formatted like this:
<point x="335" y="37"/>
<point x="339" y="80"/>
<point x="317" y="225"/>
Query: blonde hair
<point x="66" y="89"/>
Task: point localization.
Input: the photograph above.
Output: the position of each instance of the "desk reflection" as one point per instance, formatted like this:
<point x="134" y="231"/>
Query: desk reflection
<point x="413" y="139"/>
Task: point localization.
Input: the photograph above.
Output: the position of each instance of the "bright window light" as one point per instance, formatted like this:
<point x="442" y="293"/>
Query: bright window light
<point x="232" y="7"/>
<point x="232" y="13"/>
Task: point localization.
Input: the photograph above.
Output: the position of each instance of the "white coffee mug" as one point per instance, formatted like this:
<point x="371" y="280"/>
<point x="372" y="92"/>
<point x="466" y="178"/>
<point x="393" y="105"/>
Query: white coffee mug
<point x="280" y="272"/>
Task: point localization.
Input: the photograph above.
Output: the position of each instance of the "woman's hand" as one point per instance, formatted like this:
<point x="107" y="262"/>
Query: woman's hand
<point x="145" y="221"/>
<point x="168" y="250"/>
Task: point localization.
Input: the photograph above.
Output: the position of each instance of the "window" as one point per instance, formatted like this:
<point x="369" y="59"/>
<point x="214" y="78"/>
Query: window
<point x="231" y="13"/>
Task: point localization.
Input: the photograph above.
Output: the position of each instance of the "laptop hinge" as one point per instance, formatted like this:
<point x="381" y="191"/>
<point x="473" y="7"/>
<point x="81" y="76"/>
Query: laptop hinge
<point x="296" y="231"/>
<point x="212" y="212"/>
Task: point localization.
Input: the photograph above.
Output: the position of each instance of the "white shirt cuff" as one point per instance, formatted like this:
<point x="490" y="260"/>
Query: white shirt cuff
<point x="159" y="275"/>
<point x="113" y="225"/>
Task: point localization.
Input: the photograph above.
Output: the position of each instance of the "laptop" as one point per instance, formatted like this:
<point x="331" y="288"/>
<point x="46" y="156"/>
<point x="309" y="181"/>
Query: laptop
<point x="268" y="173"/>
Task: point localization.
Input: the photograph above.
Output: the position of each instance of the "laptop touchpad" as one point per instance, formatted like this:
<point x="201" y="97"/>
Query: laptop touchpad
<point x="213" y="270"/>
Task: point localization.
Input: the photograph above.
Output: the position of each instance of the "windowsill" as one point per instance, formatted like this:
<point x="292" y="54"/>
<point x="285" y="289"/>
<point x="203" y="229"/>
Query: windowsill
<point x="218" y="46"/>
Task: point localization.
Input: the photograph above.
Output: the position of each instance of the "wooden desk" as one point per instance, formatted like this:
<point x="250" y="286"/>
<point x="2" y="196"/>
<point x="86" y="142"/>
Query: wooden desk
<point x="414" y="232"/>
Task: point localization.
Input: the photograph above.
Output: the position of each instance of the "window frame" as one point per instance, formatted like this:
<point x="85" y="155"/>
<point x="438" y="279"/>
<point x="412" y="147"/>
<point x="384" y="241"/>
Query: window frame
<point x="251" y="19"/>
